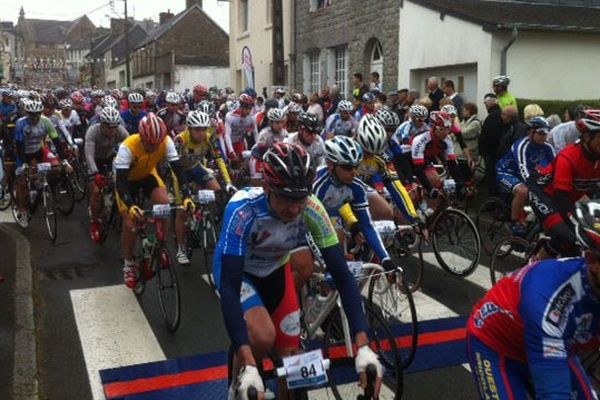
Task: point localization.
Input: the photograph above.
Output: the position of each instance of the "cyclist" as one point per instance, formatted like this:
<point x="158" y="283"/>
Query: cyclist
<point x="150" y="101"/>
<point x="500" y="86"/>
<point x="432" y="147"/>
<point x="513" y="170"/>
<point x="308" y="137"/>
<point x="238" y="124"/>
<point x="200" y="92"/>
<point x="567" y="133"/>
<point x="526" y="328"/>
<point x="338" y="184"/>
<point x="292" y="123"/>
<point x="135" y="166"/>
<point x="367" y="106"/>
<point x="198" y="144"/>
<point x="101" y="142"/>
<point x="342" y="122"/>
<point x="172" y="115"/>
<point x="261" y="118"/>
<point x="50" y="103"/>
<point x="69" y="116"/>
<point x="134" y="114"/>
<point x="273" y="133"/>
<point x="263" y="240"/>
<point x="8" y="109"/>
<point x="574" y="173"/>
<point x="376" y="167"/>
<point x="31" y="132"/>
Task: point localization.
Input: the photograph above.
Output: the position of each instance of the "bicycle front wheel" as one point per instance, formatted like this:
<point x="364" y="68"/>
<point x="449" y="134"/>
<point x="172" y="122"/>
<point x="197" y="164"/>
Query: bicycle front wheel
<point x="6" y="194"/>
<point x="397" y="306"/>
<point x="63" y="192"/>
<point x="209" y="242"/>
<point x="342" y="373"/>
<point x="510" y="254"/>
<point x="168" y="288"/>
<point x="50" y="216"/>
<point x="79" y="182"/>
<point x="491" y="221"/>
<point x="456" y="242"/>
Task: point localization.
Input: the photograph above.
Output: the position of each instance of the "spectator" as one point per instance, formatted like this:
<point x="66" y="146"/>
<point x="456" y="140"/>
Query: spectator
<point x="471" y="129"/>
<point x="491" y="132"/>
<point x="314" y="107"/>
<point x="450" y="92"/>
<point x="513" y="130"/>
<point x="531" y="111"/>
<point x="553" y="120"/>
<point x="376" y="84"/>
<point x="360" y="88"/>
<point x="279" y="96"/>
<point x="426" y="102"/>
<point x="435" y="93"/>
<point x="380" y="101"/>
<point x="335" y="98"/>
<point x="500" y="85"/>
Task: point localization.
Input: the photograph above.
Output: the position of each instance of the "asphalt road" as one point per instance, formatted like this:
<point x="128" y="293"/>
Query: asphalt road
<point x="74" y="262"/>
<point x="7" y="313"/>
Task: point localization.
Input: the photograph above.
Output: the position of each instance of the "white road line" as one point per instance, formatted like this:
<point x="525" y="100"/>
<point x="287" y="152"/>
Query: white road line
<point x="480" y="277"/>
<point x="6" y="216"/>
<point x="113" y="330"/>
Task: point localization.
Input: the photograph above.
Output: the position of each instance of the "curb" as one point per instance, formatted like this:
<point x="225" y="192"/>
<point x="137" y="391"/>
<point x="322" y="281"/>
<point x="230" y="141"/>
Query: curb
<point x="25" y="372"/>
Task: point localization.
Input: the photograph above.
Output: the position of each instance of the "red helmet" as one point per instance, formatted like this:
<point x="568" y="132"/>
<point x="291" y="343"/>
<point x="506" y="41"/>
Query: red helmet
<point x="152" y="129"/>
<point x="77" y="98"/>
<point x="200" y="90"/>
<point x="288" y="170"/>
<point x="441" y="119"/>
<point x="246" y="100"/>
<point x="589" y="121"/>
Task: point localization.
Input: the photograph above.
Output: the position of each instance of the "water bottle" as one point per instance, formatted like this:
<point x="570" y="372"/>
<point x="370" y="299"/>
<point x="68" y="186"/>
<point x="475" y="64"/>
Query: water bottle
<point x="147" y="246"/>
<point x="32" y="195"/>
<point x="449" y="186"/>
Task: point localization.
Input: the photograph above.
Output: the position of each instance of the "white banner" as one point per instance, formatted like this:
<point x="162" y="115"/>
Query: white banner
<point x="248" y="66"/>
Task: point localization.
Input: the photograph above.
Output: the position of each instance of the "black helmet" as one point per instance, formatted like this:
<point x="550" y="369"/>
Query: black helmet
<point x="271" y="103"/>
<point x="288" y="170"/>
<point x="588" y="224"/>
<point x="310" y="122"/>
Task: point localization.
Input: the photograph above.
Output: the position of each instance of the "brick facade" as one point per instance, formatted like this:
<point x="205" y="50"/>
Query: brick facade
<point x="350" y="23"/>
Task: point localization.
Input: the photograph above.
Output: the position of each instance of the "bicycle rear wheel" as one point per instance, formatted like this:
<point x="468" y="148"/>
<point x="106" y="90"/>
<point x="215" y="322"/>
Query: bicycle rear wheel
<point x="396" y="304"/>
<point x="491" y="221"/>
<point x="63" y="192"/>
<point x="167" y="288"/>
<point x="510" y="254"/>
<point x="78" y="181"/>
<point x="49" y="203"/>
<point x="209" y="242"/>
<point x="6" y="194"/>
<point x="456" y="242"/>
<point x="412" y="262"/>
<point x="342" y="373"/>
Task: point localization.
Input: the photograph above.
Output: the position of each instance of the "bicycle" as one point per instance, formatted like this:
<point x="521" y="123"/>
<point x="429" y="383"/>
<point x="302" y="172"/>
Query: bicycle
<point x="7" y="168"/>
<point x="109" y="212"/>
<point x="79" y="176"/>
<point x="38" y="190"/>
<point x="156" y="258"/>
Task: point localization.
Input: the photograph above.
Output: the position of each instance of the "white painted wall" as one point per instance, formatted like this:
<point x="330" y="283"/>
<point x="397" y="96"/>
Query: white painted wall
<point x="258" y="38"/>
<point x="468" y="72"/>
<point x="187" y="76"/>
<point x="546" y="65"/>
<point x="141" y="82"/>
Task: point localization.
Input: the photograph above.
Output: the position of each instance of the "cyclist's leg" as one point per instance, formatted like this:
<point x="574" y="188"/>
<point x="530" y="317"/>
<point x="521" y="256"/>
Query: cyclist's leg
<point x="256" y="171"/>
<point x="580" y="381"/>
<point x="380" y="209"/>
<point x="302" y="262"/>
<point x="433" y="177"/>
<point x="193" y="175"/>
<point x="495" y="375"/>
<point x="128" y="235"/>
<point x="155" y="188"/>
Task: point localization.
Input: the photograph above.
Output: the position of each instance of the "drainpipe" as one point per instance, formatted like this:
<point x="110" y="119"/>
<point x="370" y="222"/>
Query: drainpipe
<point x="515" y="35"/>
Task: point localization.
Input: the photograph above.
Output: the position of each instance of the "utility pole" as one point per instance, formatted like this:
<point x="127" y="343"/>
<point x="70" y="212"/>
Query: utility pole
<point x="93" y="63"/>
<point x="277" y="43"/>
<point x="127" y="70"/>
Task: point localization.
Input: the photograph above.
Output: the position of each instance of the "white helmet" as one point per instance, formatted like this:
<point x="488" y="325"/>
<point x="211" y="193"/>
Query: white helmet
<point x="172" y="98"/>
<point x="371" y="135"/>
<point x="205" y="106"/>
<point x="345" y="105"/>
<point x="110" y="116"/>
<point x="502" y="80"/>
<point x="419" y="111"/>
<point x="294" y="108"/>
<point x="135" y="98"/>
<point x="108" y="101"/>
<point x="65" y="104"/>
<point x="343" y="150"/>
<point x="387" y="118"/>
<point x="33" y="106"/>
<point x="450" y="109"/>
<point x="198" y="119"/>
<point x="276" y="115"/>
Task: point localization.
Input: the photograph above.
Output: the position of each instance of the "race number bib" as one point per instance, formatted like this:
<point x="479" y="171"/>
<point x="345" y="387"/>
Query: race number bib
<point x="206" y="196"/>
<point x="161" y="210"/>
<point x="305" y="370"/>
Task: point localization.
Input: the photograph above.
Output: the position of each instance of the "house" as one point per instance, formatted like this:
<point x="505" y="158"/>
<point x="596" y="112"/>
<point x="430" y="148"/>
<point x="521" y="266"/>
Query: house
<point x="546" y="49"/>
<point x="186" y="49"/>
<point x="8" y="49"/>
<point x="251" y="27"/>
<point x="335" y="38"/>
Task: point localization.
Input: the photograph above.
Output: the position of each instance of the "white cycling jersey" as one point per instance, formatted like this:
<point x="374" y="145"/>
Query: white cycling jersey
<point x="236" y="128"/>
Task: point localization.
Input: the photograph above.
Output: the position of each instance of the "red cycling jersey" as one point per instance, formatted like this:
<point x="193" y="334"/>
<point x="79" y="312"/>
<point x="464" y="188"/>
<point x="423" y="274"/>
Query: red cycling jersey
<point x="574" y="172"/>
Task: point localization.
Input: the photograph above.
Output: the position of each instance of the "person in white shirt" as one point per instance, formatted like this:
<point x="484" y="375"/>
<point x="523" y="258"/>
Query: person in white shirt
<point x="314" y="107"/>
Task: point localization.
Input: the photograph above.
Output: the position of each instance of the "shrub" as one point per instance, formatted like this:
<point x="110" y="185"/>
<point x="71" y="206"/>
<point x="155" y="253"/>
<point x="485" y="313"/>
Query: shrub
<point x="556" y="106"/>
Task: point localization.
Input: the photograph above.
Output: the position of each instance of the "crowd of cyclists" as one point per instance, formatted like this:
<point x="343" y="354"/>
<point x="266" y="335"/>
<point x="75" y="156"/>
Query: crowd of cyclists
<point x="287" y="172"/>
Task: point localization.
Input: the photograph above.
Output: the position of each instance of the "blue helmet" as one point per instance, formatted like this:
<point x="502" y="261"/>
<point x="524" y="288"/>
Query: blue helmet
<point x="343" y="150"/>
<point x="250" y="92"/>
<point x="539" y="124"/>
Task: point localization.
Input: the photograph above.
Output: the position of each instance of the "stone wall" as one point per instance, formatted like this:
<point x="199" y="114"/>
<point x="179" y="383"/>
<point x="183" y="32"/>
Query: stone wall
<point x="353" y="24"/>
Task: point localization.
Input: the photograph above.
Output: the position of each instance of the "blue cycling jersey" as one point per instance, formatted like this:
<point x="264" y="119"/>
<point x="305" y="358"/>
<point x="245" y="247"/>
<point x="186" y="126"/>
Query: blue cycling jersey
<point x="404" y="134"/>
<point x="7" y="111"/>
<point x="132" y="121"/>
<point x="337" y="126"/>
<point x="524" y="156"/>
<point x="535" y="316"/>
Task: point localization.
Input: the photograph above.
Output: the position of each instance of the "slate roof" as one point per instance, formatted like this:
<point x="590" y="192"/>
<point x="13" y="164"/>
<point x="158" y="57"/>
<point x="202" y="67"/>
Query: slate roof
<point x="494" y="15"/>
<point x="48" y="31"/>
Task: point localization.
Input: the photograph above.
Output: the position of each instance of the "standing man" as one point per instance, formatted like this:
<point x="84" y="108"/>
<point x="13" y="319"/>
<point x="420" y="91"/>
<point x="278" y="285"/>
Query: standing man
<point x="500" y="85"/>
<point x="435" y="93"/>
<point x="491" y="133"/>
<point x="450" y="92"/>
<point x="360" y="87"/>
<point x="376" y="84"/>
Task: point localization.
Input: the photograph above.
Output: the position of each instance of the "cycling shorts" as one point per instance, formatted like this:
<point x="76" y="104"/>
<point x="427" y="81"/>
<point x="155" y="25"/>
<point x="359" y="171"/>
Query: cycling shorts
<point x="500" y="377"/>
<point x="146" y="185"/>
<point x="507" y="182"/>
<point x="239" y="148"/>
<point x="104" y="165"/>
<point x="256" y="168"/>
<point x="199" y="175"/>
<point x="42" y="155"/>
<point x="280" y="300"/>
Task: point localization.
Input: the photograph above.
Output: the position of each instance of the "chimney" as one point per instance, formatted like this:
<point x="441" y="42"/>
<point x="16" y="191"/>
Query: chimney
<point x="117" y="26"/>
<point x="190" y="3"/>
<point x="164" y="17"/>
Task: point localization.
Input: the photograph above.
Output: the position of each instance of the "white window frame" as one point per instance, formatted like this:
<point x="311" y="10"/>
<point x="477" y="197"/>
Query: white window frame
<point x="314" y="63"/>
<point x="340" y="55"/>
<point x="243" y="17"/>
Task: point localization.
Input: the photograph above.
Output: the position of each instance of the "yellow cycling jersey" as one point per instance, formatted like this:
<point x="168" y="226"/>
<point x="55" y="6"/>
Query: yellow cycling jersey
<point x="198" y="153"/>
<point x="141" y="164"/>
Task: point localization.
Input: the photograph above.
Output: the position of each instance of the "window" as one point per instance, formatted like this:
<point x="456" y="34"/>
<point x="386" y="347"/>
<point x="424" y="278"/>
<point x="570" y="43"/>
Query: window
<point x="315" y="72"/>
<point x="319" y="4"/>
<point x="341" y="77"/>
<point x="243" y="16"/>
<point x="269" y="10"/>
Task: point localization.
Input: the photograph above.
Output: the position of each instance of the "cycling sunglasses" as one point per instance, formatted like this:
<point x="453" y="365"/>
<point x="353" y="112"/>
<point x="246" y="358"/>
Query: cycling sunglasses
<point x="348" y="167"/>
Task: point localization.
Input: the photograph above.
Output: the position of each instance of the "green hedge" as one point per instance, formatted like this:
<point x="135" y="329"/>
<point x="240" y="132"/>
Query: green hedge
<point x="556" y="106"/>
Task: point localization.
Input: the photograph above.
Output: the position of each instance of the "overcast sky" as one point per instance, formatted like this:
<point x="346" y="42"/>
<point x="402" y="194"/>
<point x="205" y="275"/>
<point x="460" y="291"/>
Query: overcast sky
<point x="99" y="11"/>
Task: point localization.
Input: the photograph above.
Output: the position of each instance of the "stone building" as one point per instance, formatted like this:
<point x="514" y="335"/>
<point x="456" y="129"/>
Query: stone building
<point x="186" y="49"/>
<point x="336" y="38"/>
